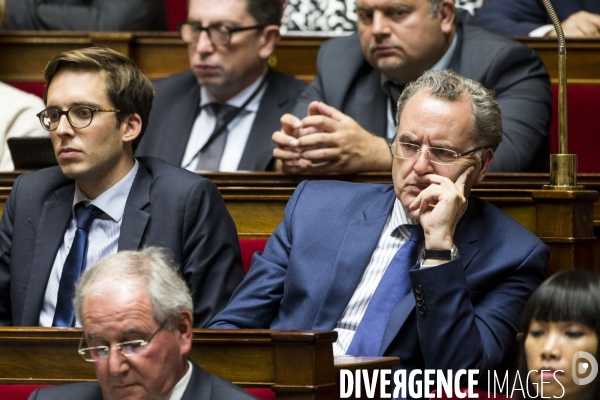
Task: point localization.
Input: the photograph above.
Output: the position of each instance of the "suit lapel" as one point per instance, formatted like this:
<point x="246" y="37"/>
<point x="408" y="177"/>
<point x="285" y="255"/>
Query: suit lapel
<point x="178" y="126"/>
<point x="199" y="386"/>
<point x="454" y="63"/>
<point x="265" y="123"/>
<point x="465" y="239"/>
<point x="54" y="221"/>
<point x="135" y="219"/>
<point x="369" y="99"/>
<point x="360" y="239"/>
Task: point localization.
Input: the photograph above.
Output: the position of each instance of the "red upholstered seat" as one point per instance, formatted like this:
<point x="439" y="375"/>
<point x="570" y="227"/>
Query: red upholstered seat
<point x="176" y="12"/>
<point x="249" y="247"/>
<point x="36" y="88"/>
<point x="583" y="110"/>
<point x="262" y="394"/>
<point x="17" y="392"/>
<point x="22" y="392"/>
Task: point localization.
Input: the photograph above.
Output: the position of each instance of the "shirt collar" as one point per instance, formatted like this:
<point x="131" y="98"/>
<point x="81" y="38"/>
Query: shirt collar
<point x="445" y="60"/>
<point x="239" y="99"/>
<point x="399" y="220"/>
<point x="112" y="201"/>
<point x="179" y="389"/>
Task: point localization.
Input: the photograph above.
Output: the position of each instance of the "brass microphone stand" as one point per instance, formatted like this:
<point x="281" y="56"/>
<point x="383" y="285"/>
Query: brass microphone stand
<point x="563" y="166"/>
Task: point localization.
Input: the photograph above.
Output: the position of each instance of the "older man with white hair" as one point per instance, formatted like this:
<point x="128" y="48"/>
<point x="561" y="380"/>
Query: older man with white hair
<point x="136" y="313"/>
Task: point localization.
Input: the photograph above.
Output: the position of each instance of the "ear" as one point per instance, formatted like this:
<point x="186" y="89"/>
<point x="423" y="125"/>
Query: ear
<point x="132" y="126"/>
<point x="270" y="38"/>
<point x="447" y="15"/>
<point x="184" y="325"/>
<point x="486" y="160"/>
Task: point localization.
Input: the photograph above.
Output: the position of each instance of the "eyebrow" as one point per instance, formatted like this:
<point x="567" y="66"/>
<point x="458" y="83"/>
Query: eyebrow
<point x="132" y="331"/>
<point x="75" y="104"/>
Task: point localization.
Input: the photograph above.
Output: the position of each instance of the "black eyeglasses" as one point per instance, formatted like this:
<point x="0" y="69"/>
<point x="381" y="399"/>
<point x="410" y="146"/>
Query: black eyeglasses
<point x="128" y="349"/>
<point x="219" y="34"/>
<point x="78" y="116"/>
<point x="437" y="155"/>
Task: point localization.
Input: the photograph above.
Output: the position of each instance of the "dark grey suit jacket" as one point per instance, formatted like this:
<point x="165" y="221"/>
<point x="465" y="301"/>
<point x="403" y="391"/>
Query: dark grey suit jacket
<point x="202" y="385"/>
<point x="176" y="106"/>
<point x="347" y="82"/>
<point x="167" y="207"/>
<point x="87" y="15"/>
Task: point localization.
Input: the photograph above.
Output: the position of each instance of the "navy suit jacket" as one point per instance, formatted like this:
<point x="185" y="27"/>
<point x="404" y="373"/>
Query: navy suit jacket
<point x="315" y="259"/>
<point x="167" y="207"/>
<point x="202" y="386"/>
<point x="515" y="72"/>
<point x="520" y="17"/>
<point x="175" y="109"/>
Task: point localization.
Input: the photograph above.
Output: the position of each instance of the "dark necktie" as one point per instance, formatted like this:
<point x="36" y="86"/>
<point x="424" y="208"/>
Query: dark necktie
<point x="74" y="265"/>
<point x="393" y="91"/>
<point x="394" y="285"/>
<point x="212" y="152"/>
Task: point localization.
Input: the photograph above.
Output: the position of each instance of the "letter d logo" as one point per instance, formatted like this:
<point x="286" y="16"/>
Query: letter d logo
<point x="583" y="367"/>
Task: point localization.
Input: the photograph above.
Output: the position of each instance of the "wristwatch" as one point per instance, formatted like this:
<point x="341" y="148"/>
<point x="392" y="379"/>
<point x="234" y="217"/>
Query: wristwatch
<point x="437" y="254"/>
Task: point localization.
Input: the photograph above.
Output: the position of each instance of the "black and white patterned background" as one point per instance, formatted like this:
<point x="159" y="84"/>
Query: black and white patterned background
<point x="335" y="15"/>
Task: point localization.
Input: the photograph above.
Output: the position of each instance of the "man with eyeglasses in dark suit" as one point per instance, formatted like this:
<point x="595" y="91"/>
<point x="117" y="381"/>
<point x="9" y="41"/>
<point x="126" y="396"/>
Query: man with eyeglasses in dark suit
<point x="136" y="313"/>
<point x="100" y="199"/>
<point x="220" y="115"/>
<point x="418" y="269"/>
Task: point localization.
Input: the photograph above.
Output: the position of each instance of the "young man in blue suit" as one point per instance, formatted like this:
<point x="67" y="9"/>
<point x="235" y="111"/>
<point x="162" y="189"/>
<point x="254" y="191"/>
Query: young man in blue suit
<point x="100" y="199"/>
<point x="138" y="298"/>
<point x="229" y="43"/>
<point x="458" y="300"/>
<point x="345" y="119"/>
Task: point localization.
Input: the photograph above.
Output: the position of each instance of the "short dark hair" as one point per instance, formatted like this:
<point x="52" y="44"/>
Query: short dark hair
<point x="569" y="296"/>
<point x="126" y="85"/>
<point x="266" y="12"/>
<point x="434" y="5"/>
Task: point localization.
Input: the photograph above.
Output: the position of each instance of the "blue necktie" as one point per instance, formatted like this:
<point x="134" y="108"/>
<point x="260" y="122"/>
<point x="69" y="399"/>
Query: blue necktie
<point x="74" y="266"/>
<point x="394" y="285"/>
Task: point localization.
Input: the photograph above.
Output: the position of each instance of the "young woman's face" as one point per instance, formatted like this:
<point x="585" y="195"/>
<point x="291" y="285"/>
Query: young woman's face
<point x="549" y="348"/>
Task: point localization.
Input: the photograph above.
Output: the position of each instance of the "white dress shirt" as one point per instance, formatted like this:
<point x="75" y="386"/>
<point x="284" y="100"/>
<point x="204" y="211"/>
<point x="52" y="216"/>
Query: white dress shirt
<point x="103" y="238"/>
<point x="179" y="389"/>
<point x="238" y="129"/>
<point x="393" y="236"/>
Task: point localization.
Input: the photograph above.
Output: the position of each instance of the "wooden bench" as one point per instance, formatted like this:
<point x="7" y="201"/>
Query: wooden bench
<point x="24" y="54"/>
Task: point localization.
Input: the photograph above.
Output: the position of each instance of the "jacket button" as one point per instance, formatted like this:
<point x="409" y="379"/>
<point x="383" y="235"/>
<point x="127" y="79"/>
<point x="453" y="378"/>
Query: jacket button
<point x="419" y="296"/>
<point x="419" y="289"/>
<point x="420" y="303"/>
<point x="422" y="310"/>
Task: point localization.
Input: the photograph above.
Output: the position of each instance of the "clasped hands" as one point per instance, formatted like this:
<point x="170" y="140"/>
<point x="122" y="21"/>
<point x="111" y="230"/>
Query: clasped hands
<point x="328" y="142"/>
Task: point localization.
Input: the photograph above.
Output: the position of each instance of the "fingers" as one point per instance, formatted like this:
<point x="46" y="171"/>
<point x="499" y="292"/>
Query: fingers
<point x="462" y="180"/>
<point x="290" y="124"/>
<point x="320" y="123"/>
<point x="284" y="141"/>
<point x="320" y="108"/>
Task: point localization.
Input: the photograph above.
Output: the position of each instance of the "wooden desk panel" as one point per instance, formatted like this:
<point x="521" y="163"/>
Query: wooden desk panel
<point x="24" y="54"/>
